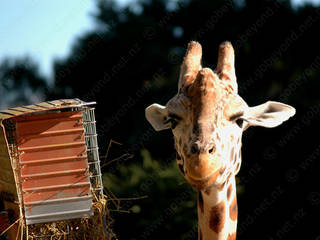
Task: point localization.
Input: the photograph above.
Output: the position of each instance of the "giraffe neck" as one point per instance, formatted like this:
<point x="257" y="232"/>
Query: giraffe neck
<point x="218" y="212"/>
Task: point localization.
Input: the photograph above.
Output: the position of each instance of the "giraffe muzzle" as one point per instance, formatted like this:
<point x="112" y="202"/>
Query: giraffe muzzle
<point x="204" y="182"/>
<point x="202" y="168"/>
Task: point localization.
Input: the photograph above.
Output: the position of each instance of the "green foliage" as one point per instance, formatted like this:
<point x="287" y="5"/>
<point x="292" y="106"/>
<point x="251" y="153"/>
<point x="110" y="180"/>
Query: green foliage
<point x="20" y="82"/>
<point x="169" y="206"/>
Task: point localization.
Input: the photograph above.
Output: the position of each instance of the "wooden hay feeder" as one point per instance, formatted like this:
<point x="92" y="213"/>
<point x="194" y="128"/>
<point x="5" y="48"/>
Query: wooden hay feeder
<point x="49" y="161"/>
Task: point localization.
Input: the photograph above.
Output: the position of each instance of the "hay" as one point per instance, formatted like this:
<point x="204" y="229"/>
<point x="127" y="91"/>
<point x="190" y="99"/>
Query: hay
<point x="94" y="227"/>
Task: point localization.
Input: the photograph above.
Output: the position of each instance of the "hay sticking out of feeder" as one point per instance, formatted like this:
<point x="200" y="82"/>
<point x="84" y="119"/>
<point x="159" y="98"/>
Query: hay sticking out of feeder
<point x="97" y="227"/>
<point x="83" y="228"/>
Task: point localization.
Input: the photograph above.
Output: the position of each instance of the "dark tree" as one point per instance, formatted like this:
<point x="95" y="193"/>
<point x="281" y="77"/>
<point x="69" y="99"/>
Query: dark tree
<point x="20" y="82"/>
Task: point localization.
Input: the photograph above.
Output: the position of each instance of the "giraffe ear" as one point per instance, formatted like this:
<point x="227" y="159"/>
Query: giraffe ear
<point x="270" y="114"/>
<point x="156" y="114"/>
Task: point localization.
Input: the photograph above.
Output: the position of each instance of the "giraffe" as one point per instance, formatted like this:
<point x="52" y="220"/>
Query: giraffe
<point x="207" y="118"/>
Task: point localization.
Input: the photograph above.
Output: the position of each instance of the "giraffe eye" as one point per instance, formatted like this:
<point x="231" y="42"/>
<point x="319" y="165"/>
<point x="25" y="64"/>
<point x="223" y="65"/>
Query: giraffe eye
<point x="237" y="118"/>
<point x="239" y="122"/>
<point x="173" y="123"/>
<point x="173" y="119"/>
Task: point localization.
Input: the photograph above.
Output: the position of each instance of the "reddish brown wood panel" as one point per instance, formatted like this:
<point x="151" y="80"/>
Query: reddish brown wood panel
<point x="54" y="166"/>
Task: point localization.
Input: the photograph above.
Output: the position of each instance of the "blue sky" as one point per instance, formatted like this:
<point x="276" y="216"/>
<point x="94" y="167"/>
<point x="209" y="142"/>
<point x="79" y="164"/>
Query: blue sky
<point x="46" y="29"/>
<point x="43" y="29"/>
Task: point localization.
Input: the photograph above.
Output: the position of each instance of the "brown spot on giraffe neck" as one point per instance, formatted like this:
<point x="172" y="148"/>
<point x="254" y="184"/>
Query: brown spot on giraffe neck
<point x="233" y="210"/>
<point x="217" y="217"/>
<point x="229" y="190"/>
<point x="232" y="236"/>
<point x="200" y="201"/>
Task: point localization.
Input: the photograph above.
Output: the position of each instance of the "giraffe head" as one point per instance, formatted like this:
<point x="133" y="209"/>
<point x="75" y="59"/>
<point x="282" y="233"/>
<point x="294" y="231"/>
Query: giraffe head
<point x="207" y="118"/>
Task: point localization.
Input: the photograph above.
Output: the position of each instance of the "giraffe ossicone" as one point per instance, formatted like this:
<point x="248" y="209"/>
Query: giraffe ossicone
<point x="207" y="118"/>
